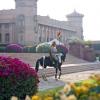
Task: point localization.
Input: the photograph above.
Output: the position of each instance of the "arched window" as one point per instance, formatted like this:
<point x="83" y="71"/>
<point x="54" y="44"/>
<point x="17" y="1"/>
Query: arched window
<point x="7" y="37"/>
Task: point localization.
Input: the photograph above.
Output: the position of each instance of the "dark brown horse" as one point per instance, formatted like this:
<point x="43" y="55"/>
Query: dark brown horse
<point x="47" y="61"/>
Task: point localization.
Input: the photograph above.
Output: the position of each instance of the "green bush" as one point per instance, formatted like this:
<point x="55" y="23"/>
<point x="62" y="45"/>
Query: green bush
<point x="33" y="49"/>
<point x="2" y="49"/>
<point x="29" y="49"/>
<point x="43" y="48"/>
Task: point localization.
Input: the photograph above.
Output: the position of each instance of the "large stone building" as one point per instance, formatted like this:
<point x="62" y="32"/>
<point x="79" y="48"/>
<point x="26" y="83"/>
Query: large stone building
<point x="22" y="25"/>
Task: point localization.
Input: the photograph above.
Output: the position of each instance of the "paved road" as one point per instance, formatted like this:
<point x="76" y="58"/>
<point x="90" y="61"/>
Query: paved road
<point x="66" y="78"/>
<point x="72" y="73"/>
<point x="71" y="68"/>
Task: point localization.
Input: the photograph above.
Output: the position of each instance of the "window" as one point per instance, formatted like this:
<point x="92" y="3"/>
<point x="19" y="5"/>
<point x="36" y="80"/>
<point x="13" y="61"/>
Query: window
<point x="7" y="37"/>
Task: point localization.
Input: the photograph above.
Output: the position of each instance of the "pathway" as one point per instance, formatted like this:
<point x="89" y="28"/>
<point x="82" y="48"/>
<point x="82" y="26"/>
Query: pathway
<point x="66" y="78"/>
<point x="72" y="68"/>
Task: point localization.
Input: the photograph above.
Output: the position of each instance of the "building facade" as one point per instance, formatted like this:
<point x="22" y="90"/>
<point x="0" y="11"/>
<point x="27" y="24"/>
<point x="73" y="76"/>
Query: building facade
<point x="22" y="25"/>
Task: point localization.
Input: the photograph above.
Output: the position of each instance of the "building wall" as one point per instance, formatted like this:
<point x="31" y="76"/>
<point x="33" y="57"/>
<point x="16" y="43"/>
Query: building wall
<point x="26" y="11"/>
<point x="7" y="32"/>
<point x="28" y="28"/>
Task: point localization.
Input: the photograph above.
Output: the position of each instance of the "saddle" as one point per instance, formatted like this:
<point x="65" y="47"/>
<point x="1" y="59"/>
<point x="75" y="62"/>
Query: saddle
<point x="57" y="59"/>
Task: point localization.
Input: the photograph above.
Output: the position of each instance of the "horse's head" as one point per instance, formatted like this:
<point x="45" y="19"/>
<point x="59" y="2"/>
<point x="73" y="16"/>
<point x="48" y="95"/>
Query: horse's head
<point x="64" y="50"/>
<point x="63" y="57"/>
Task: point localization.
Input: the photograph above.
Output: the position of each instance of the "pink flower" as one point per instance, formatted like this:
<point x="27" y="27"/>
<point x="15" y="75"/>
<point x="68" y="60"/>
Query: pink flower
<point x="14" y="66"/>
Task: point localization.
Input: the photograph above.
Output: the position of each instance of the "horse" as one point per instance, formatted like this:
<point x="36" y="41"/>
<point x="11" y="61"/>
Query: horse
<point x="47" y="61"/>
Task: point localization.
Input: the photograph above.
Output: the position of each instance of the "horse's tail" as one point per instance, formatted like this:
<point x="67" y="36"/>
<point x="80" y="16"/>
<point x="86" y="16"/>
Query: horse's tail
<point x="37" y="65"/>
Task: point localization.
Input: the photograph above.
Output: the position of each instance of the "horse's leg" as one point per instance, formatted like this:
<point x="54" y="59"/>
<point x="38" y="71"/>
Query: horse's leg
<point x="59" y="71"/>
<point x="37" y="66"/>
<point x="44" y="74"/>
<point x="56" y="73"/>
<point x="56" y="67"/>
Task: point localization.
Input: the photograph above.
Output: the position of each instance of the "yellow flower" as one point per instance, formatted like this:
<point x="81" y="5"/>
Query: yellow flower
<point x="72" y="97"/>
<point x="72" y="85"/>
<point x="36" y="97"/>
<point x="66" y="88"/>
<point x="48" y="98"/>
<point x="84" y="89"/>
<point x="78" y="90"/>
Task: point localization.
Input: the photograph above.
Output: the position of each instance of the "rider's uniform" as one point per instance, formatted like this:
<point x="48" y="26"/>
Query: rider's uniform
<point x="55" y="54"/>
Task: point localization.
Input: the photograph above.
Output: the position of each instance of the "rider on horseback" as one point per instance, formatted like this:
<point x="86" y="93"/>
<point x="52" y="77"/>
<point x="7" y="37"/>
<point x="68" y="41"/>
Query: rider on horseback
<point x="54" y="53"/>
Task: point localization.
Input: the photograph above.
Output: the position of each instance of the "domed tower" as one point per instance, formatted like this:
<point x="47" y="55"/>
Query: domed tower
<point x="26" y="21"/>
<point x="75" y="19"/>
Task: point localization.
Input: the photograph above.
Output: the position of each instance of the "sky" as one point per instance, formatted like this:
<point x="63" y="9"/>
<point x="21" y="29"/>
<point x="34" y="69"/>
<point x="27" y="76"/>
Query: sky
<point x="58" y="9"/>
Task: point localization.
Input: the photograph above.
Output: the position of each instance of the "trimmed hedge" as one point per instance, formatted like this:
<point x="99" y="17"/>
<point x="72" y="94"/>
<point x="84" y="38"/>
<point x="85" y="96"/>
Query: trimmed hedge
<point x="2" y="49"/>
<point x="29" y="49"/>
<point x="43" y="48"/>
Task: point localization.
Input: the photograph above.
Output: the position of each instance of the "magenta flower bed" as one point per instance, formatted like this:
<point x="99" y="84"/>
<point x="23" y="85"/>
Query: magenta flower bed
<point x="14" y="48"/>
<point x="16" y="78"/>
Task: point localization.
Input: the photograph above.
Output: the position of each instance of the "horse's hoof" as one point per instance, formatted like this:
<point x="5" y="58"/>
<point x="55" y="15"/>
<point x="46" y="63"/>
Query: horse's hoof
<point x="44" y="78"/>
<point x="55" y="76"/>
<point x="56" y="79"/>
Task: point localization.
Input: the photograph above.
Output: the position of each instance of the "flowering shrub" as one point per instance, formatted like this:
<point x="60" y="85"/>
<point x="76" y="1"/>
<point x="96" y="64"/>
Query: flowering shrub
<point x="88" y="89"/>
<point x="16" y="78"/>
<point x="14" y="48"/>
<point x="84" y="90"/>
<point x="47" y="95"/>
